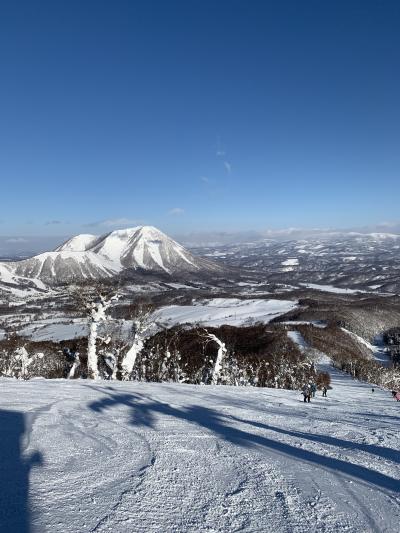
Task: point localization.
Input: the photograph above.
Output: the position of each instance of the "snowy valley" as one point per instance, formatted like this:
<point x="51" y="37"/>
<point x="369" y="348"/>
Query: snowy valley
<point x="173" y="378"/>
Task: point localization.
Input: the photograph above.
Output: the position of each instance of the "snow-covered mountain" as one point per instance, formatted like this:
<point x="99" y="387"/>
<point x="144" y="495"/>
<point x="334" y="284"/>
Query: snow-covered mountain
<point x="98" y="257"/>
<point x="60" y="267"/>
<point x="79" y="243"/>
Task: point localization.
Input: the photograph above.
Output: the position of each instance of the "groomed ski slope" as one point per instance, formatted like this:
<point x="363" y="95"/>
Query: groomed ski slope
<point x="136" y="457"/>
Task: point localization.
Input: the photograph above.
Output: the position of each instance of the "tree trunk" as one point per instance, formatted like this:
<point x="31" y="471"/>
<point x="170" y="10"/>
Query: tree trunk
<point x="220" y="357"/>
<point x="92" y="364"/>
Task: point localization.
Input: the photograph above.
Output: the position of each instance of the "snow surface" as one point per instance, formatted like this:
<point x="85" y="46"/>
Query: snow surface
<point x="55" y="330"/>
<point x="141" y="457"/>
<point x="180" y="286"/>
<point x="58" y="329"/>
<point x="290" y="262"/>
<point x="330" y="288"/>
<point x="79" y="243"/>
<point x="219" y="311"/>
<point x="6" y="274"/>
<point x="298" y="339"/>
<point x="377" y="350"/>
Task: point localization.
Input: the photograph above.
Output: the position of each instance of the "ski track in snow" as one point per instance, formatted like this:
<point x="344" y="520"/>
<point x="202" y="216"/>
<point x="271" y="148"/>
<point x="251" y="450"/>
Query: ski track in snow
<point x="139" y="457"/>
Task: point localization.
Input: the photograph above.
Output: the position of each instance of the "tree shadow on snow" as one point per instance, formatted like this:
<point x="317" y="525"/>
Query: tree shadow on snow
<point x="380" y="451"/>
<point x="143" y="411"/>
<point x="391" y="418"/>
<point x="14" y="474"/>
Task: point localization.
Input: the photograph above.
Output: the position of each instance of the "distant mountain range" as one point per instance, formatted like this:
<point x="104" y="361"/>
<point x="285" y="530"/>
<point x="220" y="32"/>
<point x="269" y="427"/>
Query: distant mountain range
<point x="91" y="257"/>
<point x="216" y="239"/>
<point x="22" y="247"/>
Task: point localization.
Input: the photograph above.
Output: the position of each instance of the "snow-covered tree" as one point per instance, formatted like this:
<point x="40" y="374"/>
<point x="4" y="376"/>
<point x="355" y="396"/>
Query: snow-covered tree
<point x="222" y="351"/>
<point x="75" y="365"/>
<point x="95" y="300"/>
<point x="141" y="327"/>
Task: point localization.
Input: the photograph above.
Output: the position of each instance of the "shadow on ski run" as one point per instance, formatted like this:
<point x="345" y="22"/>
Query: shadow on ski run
<point x="143" y="412"/>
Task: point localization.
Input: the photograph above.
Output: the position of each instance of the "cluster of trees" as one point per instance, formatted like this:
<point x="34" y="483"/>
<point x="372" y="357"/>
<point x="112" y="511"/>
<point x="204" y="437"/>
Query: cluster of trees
<point x="391" y="338"/>
<point x="254" y="356"/>
<point x="227" y="355"/>
<point x="23" y="359"/>
<point x="347" y="355"/>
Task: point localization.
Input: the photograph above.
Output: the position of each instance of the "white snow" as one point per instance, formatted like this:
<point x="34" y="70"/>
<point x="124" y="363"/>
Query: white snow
<point x="180" y="286"/>
<point x="154" y="252"/>
<point x="138" y="241"/>
<point x="183" y="254"/>
<point x="315" y="323"/>
<point x="219" y="311"/>
<point x="377" y="350"/>
<point x="5" y="274"/>
<point x="55" y="330"/>
<point x="114" y="244"/>
<point x="79" y="243"/>
<point x="298" y="339"/>
<point x="141" y="457"/>
<point x="290" y="262"/>
<point x="330" y="288"/>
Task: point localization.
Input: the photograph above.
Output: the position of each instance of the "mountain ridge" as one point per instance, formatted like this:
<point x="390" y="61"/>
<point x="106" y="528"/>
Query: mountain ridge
<point x="92" y="257"/>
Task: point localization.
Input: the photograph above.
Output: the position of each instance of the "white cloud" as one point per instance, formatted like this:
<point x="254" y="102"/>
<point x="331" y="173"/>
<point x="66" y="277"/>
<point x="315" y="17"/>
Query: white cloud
<point x="387" y="224"/>
<point x="204" y="179"/>
<point x="114" y="222"/>
<point x="228" y="166"/>
<point x="16" y="239"/>
<point x="220" y="153"/>
<point x="176" y="211"/>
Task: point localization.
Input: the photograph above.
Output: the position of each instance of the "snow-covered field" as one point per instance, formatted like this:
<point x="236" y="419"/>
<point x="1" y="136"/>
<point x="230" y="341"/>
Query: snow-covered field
<point x="377" y="350"/>
<point x="212" y="312"/>
<point x="219" y="311"/>
<point x="329" y="288"/>
<point x="133" y="457"/>
<point x="56" y="329"/>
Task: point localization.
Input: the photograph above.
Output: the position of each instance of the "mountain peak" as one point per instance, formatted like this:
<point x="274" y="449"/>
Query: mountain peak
<point x="79" y="243"/>
<point x="87" y="256"/>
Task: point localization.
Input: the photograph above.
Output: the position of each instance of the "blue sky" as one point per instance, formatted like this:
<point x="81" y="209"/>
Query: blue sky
<point x="198" y="115"/>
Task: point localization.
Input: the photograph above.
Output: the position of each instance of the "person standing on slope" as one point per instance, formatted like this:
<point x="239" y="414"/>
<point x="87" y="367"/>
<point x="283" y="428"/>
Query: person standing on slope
<point x="324" y="391"/>
<point x="306" y="392"/>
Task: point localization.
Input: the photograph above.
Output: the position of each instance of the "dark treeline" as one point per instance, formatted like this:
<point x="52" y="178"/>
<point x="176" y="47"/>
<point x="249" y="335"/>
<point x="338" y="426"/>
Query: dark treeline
<point x="255" y="355"/>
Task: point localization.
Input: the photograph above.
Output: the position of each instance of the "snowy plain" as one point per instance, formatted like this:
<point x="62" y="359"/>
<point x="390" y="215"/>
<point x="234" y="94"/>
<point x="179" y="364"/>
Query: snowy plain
<point x="211" y="312"/>
<point x="140" y="457"/>
<point x="219" y="311"/>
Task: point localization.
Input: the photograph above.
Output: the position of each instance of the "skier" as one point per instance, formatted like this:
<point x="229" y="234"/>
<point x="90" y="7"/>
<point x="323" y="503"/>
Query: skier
<point x="306" y="392"/>
<point x="324" y="391"/>
<point x="69" y="360"/>
<point x="313" y="389"/>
